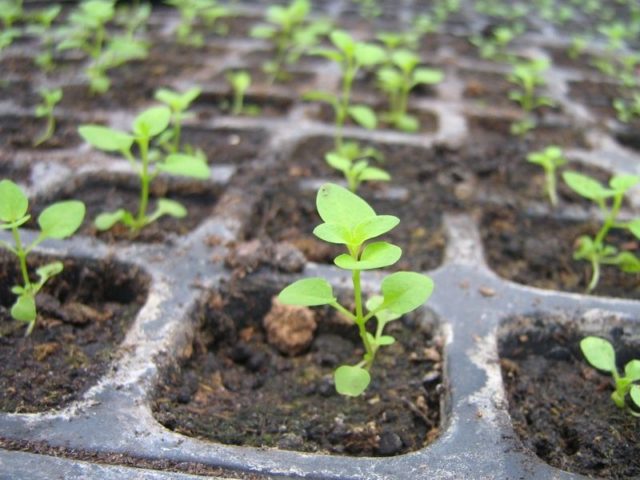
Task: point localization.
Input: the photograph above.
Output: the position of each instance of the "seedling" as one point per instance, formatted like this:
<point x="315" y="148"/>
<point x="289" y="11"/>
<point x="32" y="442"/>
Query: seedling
<point x="550" y="159"/>
<point x="60" y="220"/>
<point x="351" y="56"/>
<point x="10" y="12"/>
<point x="42" y="28"/>
<point x="397" y="82"/>
<point x="240" y="81"/>
<point x="133" y="18"/>
<point x="50" y="98"/>
<point x="627" y="110"/>
<point x="353" y="161"/>
<point x="350" y="221"/>
<point x="146" y="126"/>
<point x="192" y="10"/>
<point x="369" y="8"/>
<point x="178" y="103"/>
<point x="118" y="51"/>
<point x="528" y="76"/>
<point x="609" y="200"/>
<point x="601" y="355"/>
<point x="7" y="36"/>
<point x="290" y="34"/>
<point x="494" y="46"/>
<point x="86" y="29"/>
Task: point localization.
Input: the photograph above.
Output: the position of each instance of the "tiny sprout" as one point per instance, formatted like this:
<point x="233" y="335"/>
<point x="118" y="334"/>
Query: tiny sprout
<point x="627" y="110"/>
<point x="528" y="77"/>
<point x="350" y="221"/>
<point x="239" y="82"/>
<point x="45" y="110"/>
<point x="494" y="47"/>
<point x="179" y="103"/>
<point x="398" y="80"/>
<point x="550" y="159"/>
<point x="595" y="250"/>
<point x="601" y="355"/>
<point x="350" y="56"/>
<point x="191" y="10"/>
<point x="58" y="221"/>
<point x="353" y="162"/>
<point x="146" y="126"/>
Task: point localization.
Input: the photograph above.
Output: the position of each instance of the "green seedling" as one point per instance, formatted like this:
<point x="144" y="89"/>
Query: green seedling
<point x="58" y="221"/>
<point x="290" y="33"/>
<point x="133" y="18"/>
<point x="369" y="9"/>
<point x="627" y="110"/>
<point x="494" y="46"/>
<point x="118" y="51"/>
<point x="86" y="29"/>
<point x="578" y="45"/>
<point x="240" y="81"/>
<point x="601" y="355"/>
<point x="43" y="19"/>
<point x="7" y="36"/>
<point x="10" y="12"/>
<point x="178" y="103"/>
<point x="146" y="126"/>
<point x="609" y="200"/>
<point x="353" y="162"/>
<point x="50" y="98"/>
<point x="351" y="56"/>
<point x="550" y="159"/>
<point x="191" y="11"/>
<point x="350" y="221"/>
<point x="398" y="80"/>
<point x="528" y="76"/>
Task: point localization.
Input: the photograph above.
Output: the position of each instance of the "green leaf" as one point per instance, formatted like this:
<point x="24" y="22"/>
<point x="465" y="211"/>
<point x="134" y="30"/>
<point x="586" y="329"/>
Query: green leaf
<point x="343" y="41"/>
<point x="351" y="381"/>
<point x="24" y="310"/>
<point x="13" y="202"/>
<point x="318" y="96"/>
<point x="105" y="221"/>
<point x="61" y="219"/>
<point x="427" y="76"/>
<point x="169" y="207"/>
<point x="586" y="186"/>
<point x="152" y="122"/>
<point x="50" y="270"/>
<point x="339" y="206"/>
<point x="622" y="183"/>
<point x="374" y="227"/>
<point x="332" y="233"/>
<point x="374" y="174"/>
<point x="403" y="292"/>
<point x="634" y="227"/>
<point x="386" y="340"/>
<point x="375" y="255"/>
<point x="106" y="139"/>
<point x="405" y="60"/>
<point x="632" y="370"/>
<point x="599" y="353"/>
<point x="308" y="292"/>
<point x="634" y="393"/>
<point x="262" y="31"/>
<point x="627" y="262"/>
<point x="369" y="55"/>
<point x="407" y="123"/>
<point x="364" y="116"/>
<point x="327" y="53"/>
<point x="185" y="165"/>
<point x="338" y="161"/>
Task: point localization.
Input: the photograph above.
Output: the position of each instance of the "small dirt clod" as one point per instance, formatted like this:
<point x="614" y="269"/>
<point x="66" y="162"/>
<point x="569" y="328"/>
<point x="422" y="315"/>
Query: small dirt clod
<point x="289" y="328"/>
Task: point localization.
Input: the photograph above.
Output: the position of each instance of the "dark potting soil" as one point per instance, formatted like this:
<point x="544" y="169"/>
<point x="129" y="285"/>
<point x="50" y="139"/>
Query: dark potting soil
<point x="487" y="88"/>
<point x="226" y="145"/>
<point x="325" y="113"/>
<point x="582" y="63"/>
<point x="235" y="388"/>
<point x="109" y="193"/>
<point x="212" y="104"/>
<point x="18" y="92"/>
<point x="83" y="315"/>
<point x="288" y="214"/>
<point x="561" y="407"/>
<point x="539" y="252"/>
<point x="19" y="173"/>
<point x="21" y="132"/>
<point x="17" y="65"/>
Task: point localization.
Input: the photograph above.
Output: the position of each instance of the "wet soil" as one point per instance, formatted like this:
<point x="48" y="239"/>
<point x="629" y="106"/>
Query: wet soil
<point x="212" y="104"/>
<point x="83" y="315"/>
<point x="236" y="389"/>
<point x="487" y="88"/>
<point x="560" y="406"/>
<point x="111" y="192"/>
<point x="538" y="251"/>
<point x="226" y="145"/>
<point x="18" y="92"/>
<point x="287" y="213"/>
<point x="20" y="132"/>
<point x="11" y="170"/>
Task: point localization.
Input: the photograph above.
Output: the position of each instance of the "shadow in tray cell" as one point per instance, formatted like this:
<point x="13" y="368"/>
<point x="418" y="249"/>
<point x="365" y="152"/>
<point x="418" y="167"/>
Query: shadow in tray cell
<point x="560" y="406"/>
<point x="83" y="315"/>
<point x="244" y="383"/>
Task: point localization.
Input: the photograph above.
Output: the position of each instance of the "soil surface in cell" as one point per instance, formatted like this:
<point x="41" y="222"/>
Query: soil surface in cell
<point x="23" y="131"/>
<point x="237" y="388"/>
<point x="225" y="145"/>
<point x="560" y="407"/>
<point x="83" y="315"/>
<point x="539" y="252"/>
<point x="288" y="214"/>
<point x="102" y="195"/>
<point x="212" y="104"/>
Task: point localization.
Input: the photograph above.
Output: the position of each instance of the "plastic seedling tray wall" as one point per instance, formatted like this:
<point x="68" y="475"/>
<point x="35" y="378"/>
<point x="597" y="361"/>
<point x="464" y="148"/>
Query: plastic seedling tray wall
<point x="254" y="160"/>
